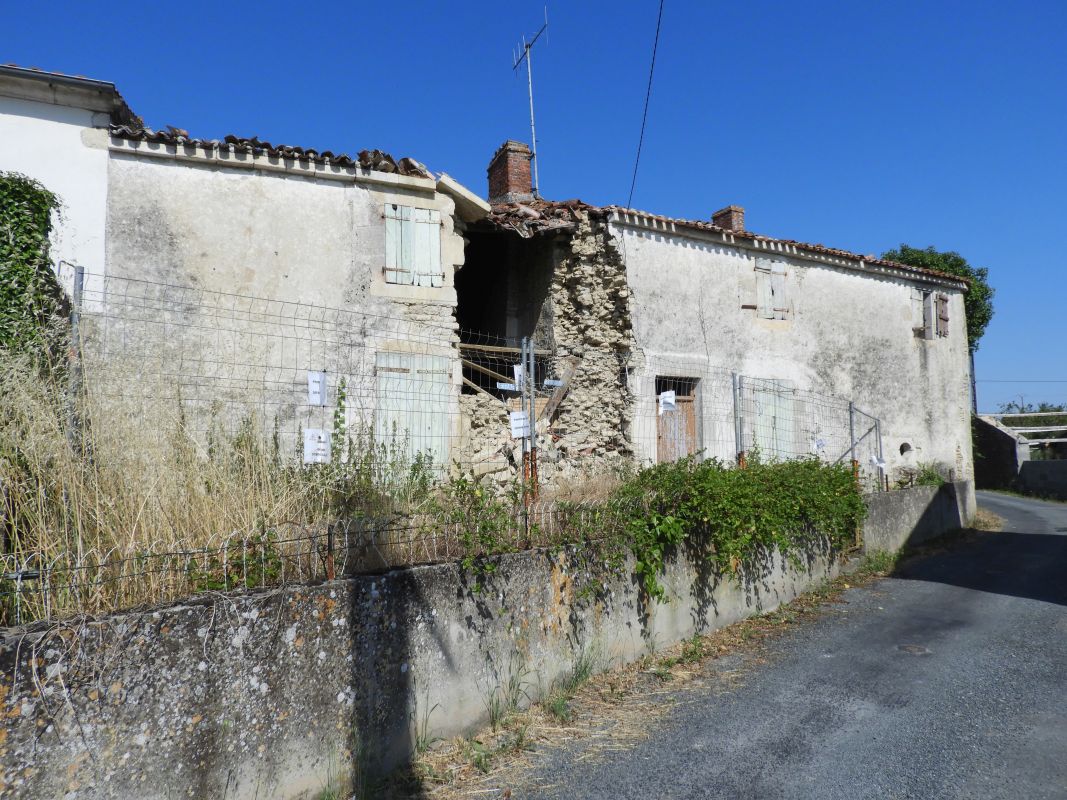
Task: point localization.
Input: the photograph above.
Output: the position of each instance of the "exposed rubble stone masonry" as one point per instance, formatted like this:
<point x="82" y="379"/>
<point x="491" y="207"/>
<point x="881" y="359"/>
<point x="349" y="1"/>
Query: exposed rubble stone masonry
<point x="590" y="320"/>
<point x="585" y="321"/>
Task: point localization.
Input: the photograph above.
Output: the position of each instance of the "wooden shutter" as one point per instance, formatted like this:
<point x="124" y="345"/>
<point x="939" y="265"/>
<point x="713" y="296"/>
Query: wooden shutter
<point x="394" y="256"/>
<point x="779" y="292"/>
<point x="764" y="294"/>
<point x="426" y="224"/>
<point x="413" y="393"/>
<point x="774" y="425"/>
<point x="942" y="315"/>
<point x="929" y="315"/>
<point x="412" y="245"/>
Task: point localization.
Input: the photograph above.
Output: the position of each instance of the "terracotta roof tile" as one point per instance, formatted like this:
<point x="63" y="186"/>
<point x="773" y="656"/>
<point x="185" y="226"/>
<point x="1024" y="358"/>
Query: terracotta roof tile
<point x="368" y="159"/>
<point x="544" y="216"/>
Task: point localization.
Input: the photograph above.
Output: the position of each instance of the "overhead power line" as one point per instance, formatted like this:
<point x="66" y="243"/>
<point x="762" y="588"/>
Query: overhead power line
<point x="644" y="116"/>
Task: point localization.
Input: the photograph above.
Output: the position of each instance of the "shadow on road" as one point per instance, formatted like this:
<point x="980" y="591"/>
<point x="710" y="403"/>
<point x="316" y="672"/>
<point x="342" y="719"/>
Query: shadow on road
<point x="1025" y="565"/>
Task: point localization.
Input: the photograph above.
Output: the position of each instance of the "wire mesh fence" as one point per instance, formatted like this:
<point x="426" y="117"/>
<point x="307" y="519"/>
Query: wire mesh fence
<point x="213" y="440"/>
<point x="37" y="586"/>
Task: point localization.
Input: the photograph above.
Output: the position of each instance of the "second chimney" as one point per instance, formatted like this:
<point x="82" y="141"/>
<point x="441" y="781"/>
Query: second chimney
<point x="732" y="218"/>
<point x="509" y="174"/>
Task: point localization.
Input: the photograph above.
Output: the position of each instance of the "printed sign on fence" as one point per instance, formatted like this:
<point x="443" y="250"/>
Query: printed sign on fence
<point x="520" y="425"/>
<point x="316" y="446"/>
<point x="668" y="401"/>
<point x="316" y="388"/>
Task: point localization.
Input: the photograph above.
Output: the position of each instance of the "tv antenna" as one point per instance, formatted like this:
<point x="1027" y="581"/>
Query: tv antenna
<point x="525" y="56"/>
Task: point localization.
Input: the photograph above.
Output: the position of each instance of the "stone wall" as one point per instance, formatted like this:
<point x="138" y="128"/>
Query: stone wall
<point x="287" y="692"/>
<point x="590" y="321"/>
<point x="907" y="517"/>
<point x="284" y="693"/>
<point x="1044" y="478"/>
<point x="848" y="333"/>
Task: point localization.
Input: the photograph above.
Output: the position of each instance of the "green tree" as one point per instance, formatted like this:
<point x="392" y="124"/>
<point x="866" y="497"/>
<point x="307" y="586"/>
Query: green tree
<point x="30" y="296"/>
<point x="978" y="302"/>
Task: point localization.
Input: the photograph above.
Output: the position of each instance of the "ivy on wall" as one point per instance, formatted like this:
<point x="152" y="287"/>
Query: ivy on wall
<point x="30" y="296"/>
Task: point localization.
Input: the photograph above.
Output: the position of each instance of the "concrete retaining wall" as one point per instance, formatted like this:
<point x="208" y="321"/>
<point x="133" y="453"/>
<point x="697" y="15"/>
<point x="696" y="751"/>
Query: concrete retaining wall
<point x="281" y="693"/>
<point x="1044" y="478"/>
<point x="284" y="693"/>
<point x="999" y="454"/>
<point x="910" y="516"/>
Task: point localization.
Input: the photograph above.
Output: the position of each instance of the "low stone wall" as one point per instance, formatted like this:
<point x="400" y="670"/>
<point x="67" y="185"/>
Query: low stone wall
<point x="909" y="516"/>
<point x="283" y="693"/>
<point x="287" y="692"/>
<point x="1044" y="478"/>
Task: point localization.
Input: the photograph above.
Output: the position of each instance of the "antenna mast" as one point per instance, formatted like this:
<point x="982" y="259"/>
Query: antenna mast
<point x="525" y="56"/>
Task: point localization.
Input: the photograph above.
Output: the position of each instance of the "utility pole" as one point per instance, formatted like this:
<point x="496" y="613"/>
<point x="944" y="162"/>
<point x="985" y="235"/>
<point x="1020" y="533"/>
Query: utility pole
<point x="525" y="56"/>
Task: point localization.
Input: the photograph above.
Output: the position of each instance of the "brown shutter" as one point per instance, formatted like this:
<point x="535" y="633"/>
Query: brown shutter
<point x="942" y="315"/>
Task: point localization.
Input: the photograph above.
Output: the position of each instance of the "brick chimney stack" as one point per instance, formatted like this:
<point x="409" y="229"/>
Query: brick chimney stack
<point x="509" y="174"/>
<point x="732" y="218"/>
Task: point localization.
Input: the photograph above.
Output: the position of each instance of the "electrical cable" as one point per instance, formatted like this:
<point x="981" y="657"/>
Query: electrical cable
<point x="644" y="116"/>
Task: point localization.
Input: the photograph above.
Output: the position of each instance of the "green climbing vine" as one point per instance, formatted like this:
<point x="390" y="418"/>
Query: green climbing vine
<point x="30" y="296"/>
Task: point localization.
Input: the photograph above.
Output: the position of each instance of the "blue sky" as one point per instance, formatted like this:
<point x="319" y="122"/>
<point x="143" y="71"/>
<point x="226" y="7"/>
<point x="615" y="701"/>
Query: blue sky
<point x="857" y="125"/>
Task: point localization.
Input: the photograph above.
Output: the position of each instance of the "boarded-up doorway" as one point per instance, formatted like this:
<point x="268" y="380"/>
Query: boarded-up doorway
<point x="676" y="428"/>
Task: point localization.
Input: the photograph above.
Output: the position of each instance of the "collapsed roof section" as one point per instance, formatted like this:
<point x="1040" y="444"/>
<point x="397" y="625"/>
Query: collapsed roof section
<point x="540" y="216"/>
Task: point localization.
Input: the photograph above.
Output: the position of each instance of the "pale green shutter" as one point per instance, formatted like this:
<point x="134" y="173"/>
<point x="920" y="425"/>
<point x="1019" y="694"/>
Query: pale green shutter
<point x="427" y="256"/>
<point x="393" y="243"/>
<point x="412" y="414"/>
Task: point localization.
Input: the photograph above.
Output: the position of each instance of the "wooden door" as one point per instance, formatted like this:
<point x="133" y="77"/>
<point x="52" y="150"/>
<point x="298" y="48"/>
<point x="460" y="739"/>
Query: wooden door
<point x="676" y="431"/>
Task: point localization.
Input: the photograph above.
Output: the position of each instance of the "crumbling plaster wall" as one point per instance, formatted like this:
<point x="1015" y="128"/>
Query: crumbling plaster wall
<point x="314" y="245"/>
<point x="849" y="335"/>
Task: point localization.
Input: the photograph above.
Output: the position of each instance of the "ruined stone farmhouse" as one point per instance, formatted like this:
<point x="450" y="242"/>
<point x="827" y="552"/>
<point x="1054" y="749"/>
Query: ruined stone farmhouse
<point x="653" y="338"/>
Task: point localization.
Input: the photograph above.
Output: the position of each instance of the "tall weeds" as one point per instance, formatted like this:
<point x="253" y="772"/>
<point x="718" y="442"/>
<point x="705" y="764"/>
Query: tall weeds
<point x="134" y="504"/>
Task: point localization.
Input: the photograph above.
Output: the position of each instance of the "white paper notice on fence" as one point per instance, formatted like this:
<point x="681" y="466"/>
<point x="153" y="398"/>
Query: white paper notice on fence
<point x="316" y="388"/>
<point x="520" y="424"/>
<point x="518" y="372"/>
<point x="316" y="446"/>
<point x="667" y="402"/>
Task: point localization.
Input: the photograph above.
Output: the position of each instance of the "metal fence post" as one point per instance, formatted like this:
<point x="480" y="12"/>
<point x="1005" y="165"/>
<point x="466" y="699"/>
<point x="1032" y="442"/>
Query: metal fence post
<point x="852" y="432"/>
<point x="531" y="377"/>
<point x="882" y="484"/>
<point x="74" y="366"/>
<point x="738" y="435"/>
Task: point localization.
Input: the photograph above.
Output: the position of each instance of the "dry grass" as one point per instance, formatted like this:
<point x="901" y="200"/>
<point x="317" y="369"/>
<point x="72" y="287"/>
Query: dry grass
<point x="985" y="520"/>
<point x="138" y="507"/>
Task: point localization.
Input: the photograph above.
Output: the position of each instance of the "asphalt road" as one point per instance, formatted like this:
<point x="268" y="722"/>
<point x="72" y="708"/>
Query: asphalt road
<point x="948" y="680"/>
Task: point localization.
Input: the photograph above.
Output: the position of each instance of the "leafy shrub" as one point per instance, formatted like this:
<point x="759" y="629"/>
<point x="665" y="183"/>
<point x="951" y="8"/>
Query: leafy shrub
<point x="737" y="516"/>
<point x="30" y="296"/>
<point x="925" y="473"/>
